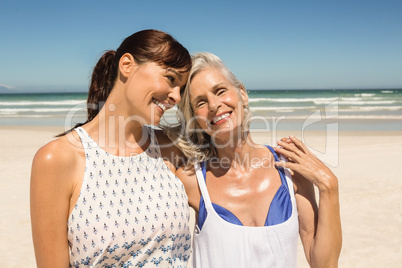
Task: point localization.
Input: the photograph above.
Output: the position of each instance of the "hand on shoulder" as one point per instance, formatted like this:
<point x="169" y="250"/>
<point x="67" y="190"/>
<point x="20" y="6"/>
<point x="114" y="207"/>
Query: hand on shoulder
<point x="302" y="161"/>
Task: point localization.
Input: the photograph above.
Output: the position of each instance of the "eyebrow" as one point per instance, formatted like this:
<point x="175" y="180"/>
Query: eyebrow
<point x="217" y="86"/>
<point x="196" y="100"/>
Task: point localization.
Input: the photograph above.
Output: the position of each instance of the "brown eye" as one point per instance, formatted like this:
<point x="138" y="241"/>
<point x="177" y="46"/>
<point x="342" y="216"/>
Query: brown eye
<point x="171" y="78"/>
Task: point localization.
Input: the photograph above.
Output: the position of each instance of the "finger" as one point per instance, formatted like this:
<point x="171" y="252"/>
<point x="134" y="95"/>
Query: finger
<point x="298" y="167"/>
<point x="286" y="139"/>
<point x="289" y="165"/>
<point x="289" y="154"/>
<point x="291" y="147"/>
<point x="300" y="144"/>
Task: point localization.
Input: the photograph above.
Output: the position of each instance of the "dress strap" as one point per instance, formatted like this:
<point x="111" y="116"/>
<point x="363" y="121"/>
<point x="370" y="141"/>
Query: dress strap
<point x="199" y="172"/>
<point x="273" y="152"/>
<point x="280" y="169"/>
<point x="285" y="171"/>
<point x="82" y="133"/>
<point x="86" y="140"/>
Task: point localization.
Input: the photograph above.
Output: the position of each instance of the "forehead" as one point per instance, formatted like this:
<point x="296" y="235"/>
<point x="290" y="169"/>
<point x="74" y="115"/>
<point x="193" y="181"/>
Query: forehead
<point x="152" y="64"/>
<point x="207" y="80"/>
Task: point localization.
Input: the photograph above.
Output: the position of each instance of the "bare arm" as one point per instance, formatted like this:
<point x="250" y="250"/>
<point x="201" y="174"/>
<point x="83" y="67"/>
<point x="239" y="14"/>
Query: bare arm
<point x="172" y="155"/>
<point x="189" y="180"/>
<point x="320" y="228"/>
<point x="51" y="190"/>
<point x="177" y="163"/>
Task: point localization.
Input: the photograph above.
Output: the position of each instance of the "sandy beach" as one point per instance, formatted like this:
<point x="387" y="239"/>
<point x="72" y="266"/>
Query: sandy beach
<point x="368" y="165"/>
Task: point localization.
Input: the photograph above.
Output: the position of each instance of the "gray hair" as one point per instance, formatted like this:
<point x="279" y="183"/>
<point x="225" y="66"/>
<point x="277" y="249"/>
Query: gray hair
<point x="195" y="143"/>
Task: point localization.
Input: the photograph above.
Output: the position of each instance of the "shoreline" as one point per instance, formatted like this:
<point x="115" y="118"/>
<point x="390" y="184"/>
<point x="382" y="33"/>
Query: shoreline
<point x="258" y="125"/>
<point x="367" y="166"/>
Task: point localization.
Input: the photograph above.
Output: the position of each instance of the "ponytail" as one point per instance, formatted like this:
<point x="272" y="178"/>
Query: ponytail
<point x="102" y="81"/>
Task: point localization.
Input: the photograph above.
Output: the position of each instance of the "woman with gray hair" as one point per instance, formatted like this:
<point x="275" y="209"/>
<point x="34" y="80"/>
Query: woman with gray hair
<point x="250" y="206"/>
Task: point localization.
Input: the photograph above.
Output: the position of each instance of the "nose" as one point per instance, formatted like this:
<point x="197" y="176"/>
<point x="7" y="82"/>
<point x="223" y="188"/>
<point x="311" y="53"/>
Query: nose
<point x="213" y="104"/>
<point x="174" y="96"/>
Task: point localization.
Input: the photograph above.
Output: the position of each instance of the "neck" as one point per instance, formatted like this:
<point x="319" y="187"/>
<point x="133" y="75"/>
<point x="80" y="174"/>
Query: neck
<point x="236" y="155"/>
<point x="114" y="130"/>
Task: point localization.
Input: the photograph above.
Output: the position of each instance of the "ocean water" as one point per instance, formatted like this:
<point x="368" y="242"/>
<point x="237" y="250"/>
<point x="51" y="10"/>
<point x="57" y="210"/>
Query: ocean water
<point x="48" y="109"/>
<point x="374" y="110"/>
<point x="271" y="109"/>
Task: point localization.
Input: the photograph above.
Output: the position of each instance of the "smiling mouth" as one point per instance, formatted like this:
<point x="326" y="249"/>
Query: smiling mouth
<point x="163" y="106"/>
<point x="219" y="118"/>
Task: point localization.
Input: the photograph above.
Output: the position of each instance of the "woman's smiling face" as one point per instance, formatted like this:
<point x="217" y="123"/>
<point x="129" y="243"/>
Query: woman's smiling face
<point x="153" y="89"/>
<point x="217" y="104"/>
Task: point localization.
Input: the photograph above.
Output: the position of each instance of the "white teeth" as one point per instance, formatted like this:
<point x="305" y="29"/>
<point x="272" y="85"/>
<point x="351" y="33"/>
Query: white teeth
<point x="216" y="119"/>
<point x="161" y="105"/>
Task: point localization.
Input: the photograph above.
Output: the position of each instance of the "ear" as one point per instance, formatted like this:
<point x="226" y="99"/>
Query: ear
<point x="127" y="65"/>
<point x="243" y="94"/>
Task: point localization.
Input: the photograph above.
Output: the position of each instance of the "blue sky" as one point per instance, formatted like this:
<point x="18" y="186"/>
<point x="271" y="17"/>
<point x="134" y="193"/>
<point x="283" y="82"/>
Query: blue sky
<point x="53" y="45"/>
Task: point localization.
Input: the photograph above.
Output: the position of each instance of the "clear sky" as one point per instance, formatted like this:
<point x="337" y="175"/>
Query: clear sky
<point x="53" y="45"/>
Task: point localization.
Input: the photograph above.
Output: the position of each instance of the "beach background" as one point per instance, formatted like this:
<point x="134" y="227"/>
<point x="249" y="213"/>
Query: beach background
<point x="357" y="133"/>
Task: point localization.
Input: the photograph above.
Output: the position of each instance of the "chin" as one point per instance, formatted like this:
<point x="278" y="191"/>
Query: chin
<point x="154" y="122"/>
<point x="226" y="132"/>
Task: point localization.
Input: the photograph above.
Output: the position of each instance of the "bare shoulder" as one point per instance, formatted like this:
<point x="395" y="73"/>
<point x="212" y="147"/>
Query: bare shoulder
<point x="60" y="151"/>
<point x="186" y="172"/>
<point x="188" y="177"/>
<point x="57" y="159"/>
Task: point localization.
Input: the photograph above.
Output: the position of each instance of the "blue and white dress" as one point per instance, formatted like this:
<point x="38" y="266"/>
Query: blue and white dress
<point x="131" y="212"/>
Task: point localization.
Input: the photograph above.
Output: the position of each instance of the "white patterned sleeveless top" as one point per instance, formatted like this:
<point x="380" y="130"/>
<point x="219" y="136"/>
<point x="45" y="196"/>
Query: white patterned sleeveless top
<point x="131" y="212"/>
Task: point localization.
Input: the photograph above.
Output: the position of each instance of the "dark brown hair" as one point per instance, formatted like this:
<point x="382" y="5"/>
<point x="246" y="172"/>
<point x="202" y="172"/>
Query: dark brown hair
<point x="145" y="46"/>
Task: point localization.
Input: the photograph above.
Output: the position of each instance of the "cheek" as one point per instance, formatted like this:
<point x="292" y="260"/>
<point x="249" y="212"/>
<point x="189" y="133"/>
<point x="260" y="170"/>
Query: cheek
<point x="155" y="85"/>
<point x="152" y="82"/>
<point x="233" y="98"/>
<point x="201" y="119"/>
<point x="161" y="83"/>
<point x="202" y="123"/>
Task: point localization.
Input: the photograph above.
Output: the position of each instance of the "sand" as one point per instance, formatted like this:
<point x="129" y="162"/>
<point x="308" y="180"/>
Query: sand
<point x="368" y="165"/>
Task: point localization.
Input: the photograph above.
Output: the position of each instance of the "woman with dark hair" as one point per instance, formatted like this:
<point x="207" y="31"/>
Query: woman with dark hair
<point x="105" y="194"/>
<point x="250" y="210"/>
